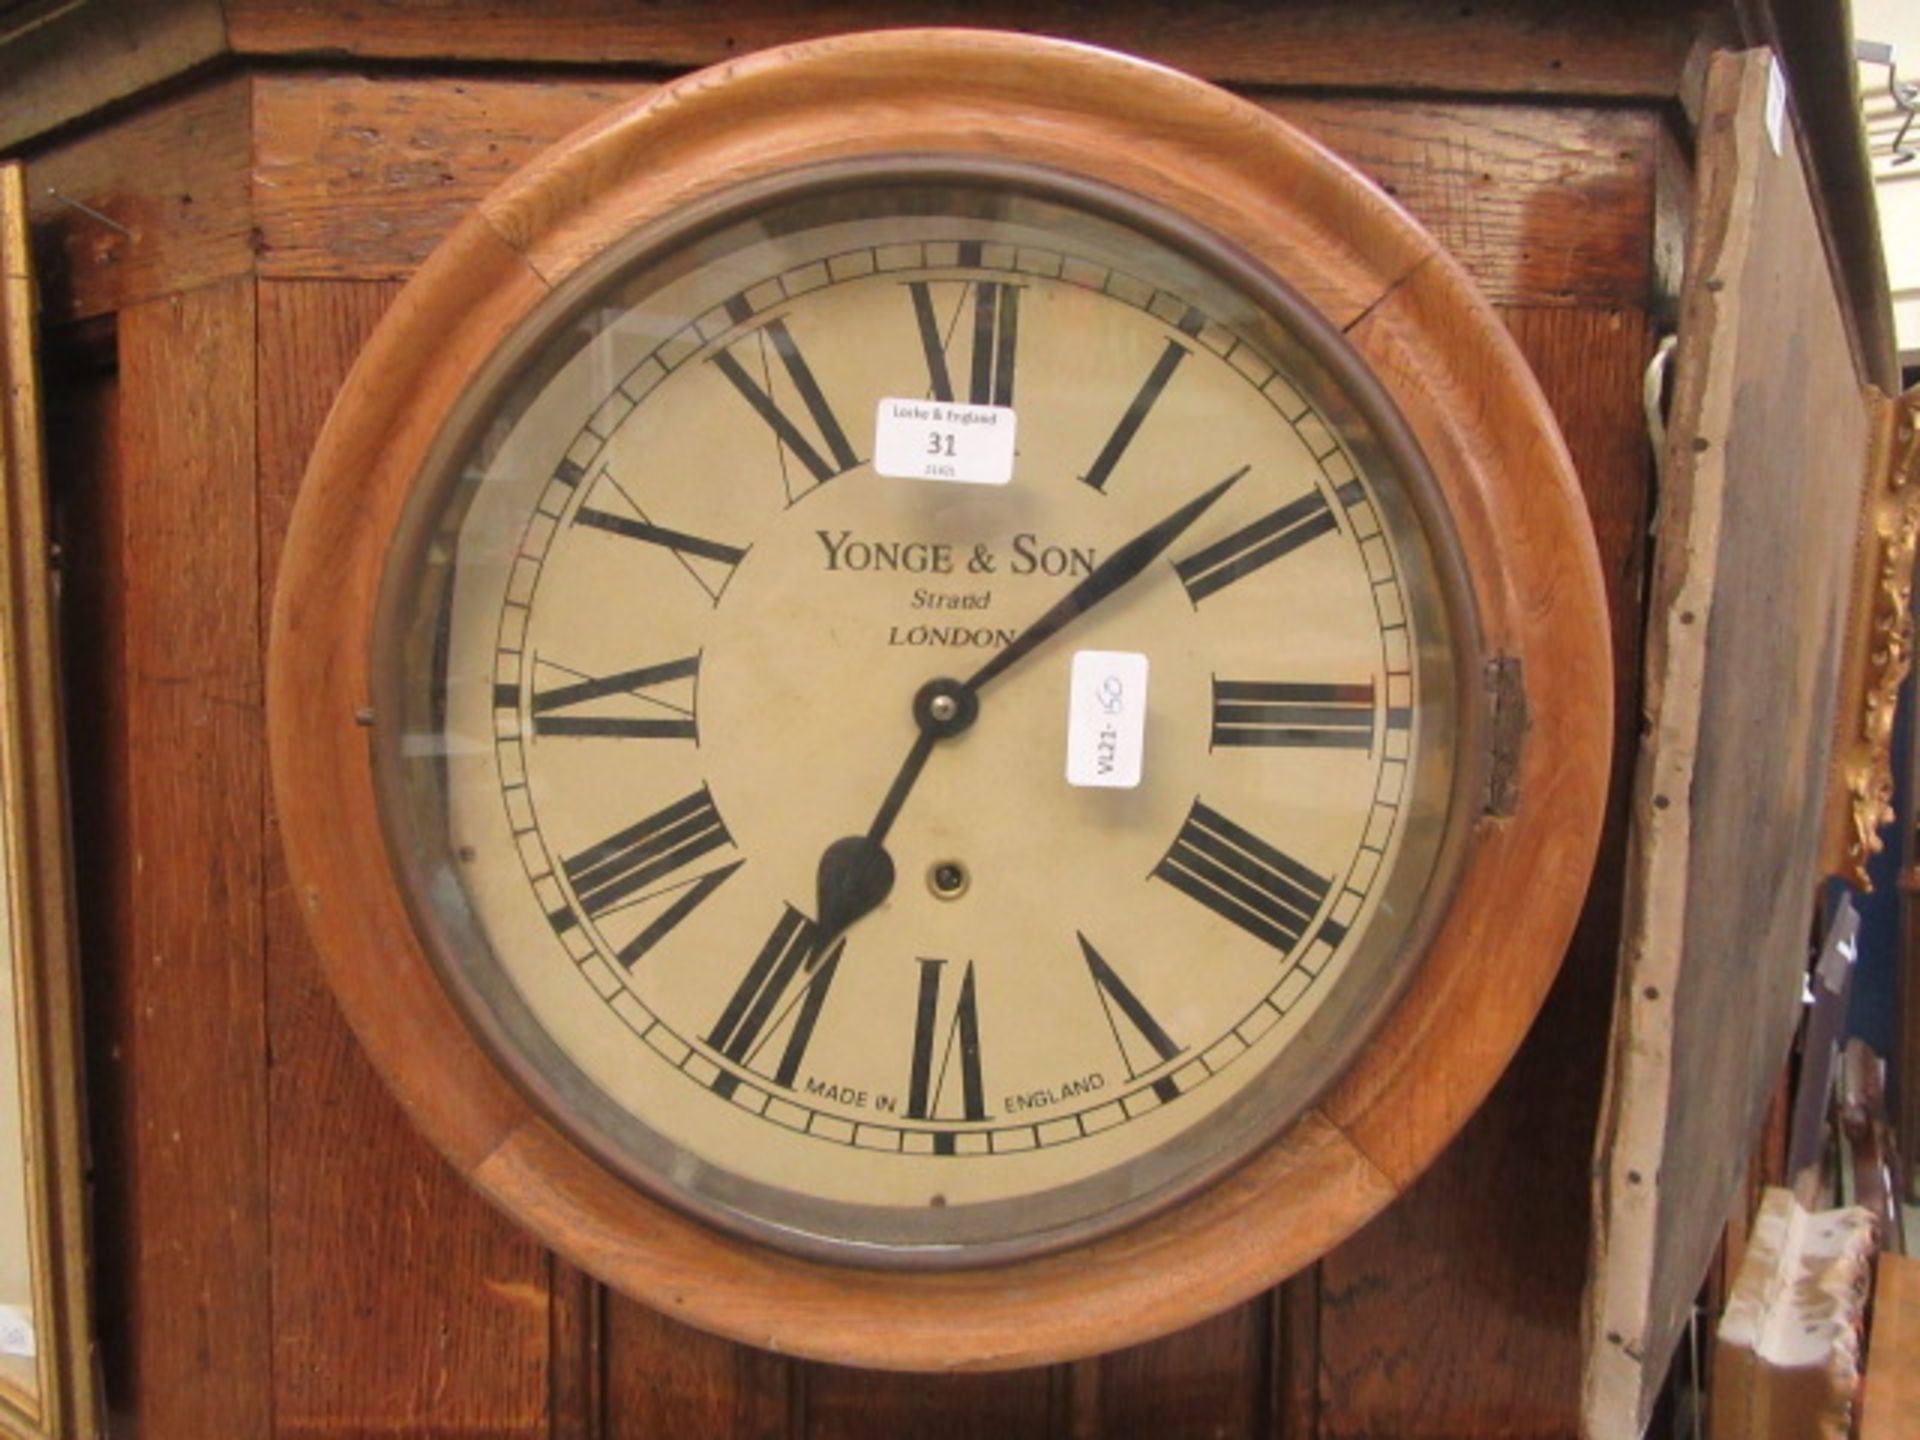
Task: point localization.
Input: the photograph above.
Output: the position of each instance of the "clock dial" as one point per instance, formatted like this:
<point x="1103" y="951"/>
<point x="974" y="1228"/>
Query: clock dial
<point x="731" y="764"/>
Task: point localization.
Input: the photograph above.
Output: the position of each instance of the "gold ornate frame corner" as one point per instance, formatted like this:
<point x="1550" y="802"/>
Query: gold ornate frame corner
<point x="1880" y="640"/>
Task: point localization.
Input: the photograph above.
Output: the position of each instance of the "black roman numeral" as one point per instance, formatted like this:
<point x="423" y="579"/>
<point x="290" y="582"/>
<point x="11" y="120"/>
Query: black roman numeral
<point x="996" y="329"/>
<point x="683" y="905"/>
<point x="682" y="546"/>
<point x="639" y="872"/>
<point x="1119" y="1004"/>
<point x="1143" y="401"/>
<point x="710" y="563"/>
<point x="1242" y="879"/>
<point x="1261" y="543"/>
<point x="788" y="981"/>
<point x="961" y="1042"/>
<point x="792" y="438"/>
<point x="570" y="708"/>
<point x="625" y="864"/>
<point x="678" y="541"/>
<point x="1261" y="713"/>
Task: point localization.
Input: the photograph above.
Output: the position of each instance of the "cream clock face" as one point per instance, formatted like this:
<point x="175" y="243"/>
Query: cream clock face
<point x="922" y="716"/>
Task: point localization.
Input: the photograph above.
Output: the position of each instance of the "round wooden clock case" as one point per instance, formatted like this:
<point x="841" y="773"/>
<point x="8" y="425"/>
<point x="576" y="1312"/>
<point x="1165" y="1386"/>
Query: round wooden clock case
<point x="671" y="769"/>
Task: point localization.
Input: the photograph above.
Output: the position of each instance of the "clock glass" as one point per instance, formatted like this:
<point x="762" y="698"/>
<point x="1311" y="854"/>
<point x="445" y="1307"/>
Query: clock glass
<point x="923" y="709"/>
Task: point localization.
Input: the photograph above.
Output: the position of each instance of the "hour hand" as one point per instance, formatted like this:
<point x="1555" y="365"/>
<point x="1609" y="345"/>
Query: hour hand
<point x="856" y="873"/>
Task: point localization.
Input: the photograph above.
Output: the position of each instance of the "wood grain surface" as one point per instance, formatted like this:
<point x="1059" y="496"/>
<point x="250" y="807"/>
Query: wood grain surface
<point x="164" y="206"/>
<point x="1209" y="1380"/>
<point x="577" y="1354"/>
<point x="664" y="1378"/>
<point x="359" y="177"/>
<point x="189" y="1025"/>
<point x="849" y="1404"/>
<point x="92" y="55"/>
<point x="1542" y="206"/>
<point x="85" y="56"/>
<point x="1632" y="48"/>
<point x="1891" y="1393"/>
<point x="474" y="1297"/>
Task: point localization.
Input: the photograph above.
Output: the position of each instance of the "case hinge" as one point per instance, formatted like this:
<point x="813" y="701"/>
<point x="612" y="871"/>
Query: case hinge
<point x="1506" y="728"/>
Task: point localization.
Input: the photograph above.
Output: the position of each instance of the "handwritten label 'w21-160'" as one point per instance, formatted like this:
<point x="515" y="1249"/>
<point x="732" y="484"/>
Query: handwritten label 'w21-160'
<point x="1106" y="719"/>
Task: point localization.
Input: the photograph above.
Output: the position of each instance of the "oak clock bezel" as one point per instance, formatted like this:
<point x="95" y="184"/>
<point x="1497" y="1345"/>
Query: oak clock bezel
<point x="1250" y="193"/>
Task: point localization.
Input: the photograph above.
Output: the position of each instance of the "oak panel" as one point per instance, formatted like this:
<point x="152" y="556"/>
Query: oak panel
<point x="401" y="1303"/>
<point x="1892" y="1393"/>
<point x="663" y="1378"/>
<point x="1590" y="364"/>
<point x="845" y="1404"/>
<point x="90" y="54"/>
<point x="350" y="177"/>
<point x="1209" y="1382"/>
<point x="187" y="967"/>
<point x="309" y="337"/>
<point x="1213" y="1381"/>
<point x="1628" y="48"/>
<point x="1542" y="206"/>
<point x="360" y="178"/>
<point x="172" y="185"/>
<point x="576" y="1352"/>
<point x="1294" y="1363"/>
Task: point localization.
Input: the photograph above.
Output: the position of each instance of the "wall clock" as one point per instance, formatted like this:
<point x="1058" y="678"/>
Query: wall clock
<point x="940" y="700"/>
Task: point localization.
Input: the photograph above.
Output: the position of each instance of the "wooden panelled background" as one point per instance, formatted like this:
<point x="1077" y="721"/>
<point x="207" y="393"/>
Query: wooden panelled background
<point x="279" y="1254"/>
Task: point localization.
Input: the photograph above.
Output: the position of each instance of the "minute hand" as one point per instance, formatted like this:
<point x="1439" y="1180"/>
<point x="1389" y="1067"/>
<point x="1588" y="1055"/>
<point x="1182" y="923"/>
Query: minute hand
<point x="1108" y="576"/>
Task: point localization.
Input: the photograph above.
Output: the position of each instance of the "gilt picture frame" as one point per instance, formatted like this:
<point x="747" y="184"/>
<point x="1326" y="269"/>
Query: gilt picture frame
<point x="48" y="1389"/>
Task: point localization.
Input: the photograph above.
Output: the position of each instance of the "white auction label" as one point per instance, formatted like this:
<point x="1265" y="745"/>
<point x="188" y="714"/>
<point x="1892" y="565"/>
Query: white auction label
<point x="1107" y="718"/>
<point x="16" y="1332"/>
<point x="939" y="440"/>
